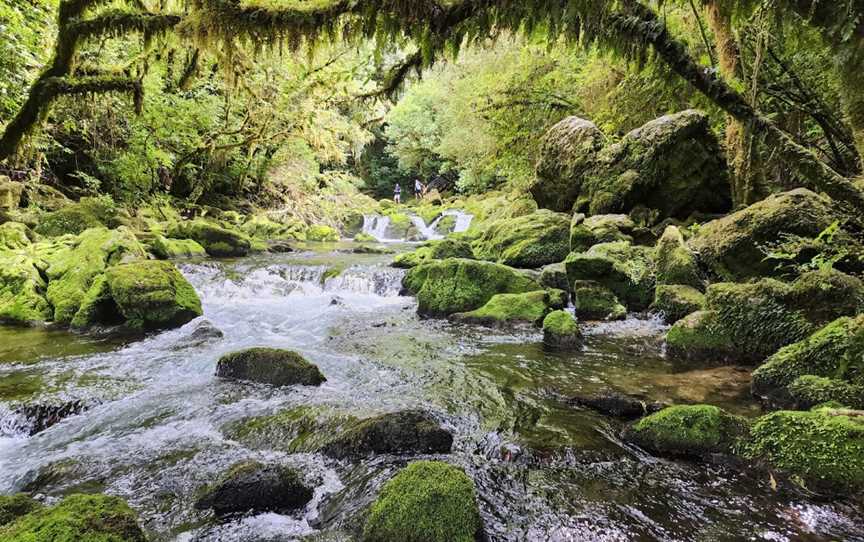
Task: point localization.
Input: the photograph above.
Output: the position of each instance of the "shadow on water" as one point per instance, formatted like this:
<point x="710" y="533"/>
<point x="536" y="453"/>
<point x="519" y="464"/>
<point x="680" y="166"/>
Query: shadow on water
<point x="544" y="470"/>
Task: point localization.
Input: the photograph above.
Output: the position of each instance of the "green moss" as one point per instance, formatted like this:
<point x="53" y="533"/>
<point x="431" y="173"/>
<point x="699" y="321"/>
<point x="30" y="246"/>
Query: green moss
<point x="365" y="238"/>
<point x="594" y="301"/>
<point x="555" y="276"/>
<point x="624" y="269"/>
<point x="321" y="233"/>
<point x="674" y="262"/>
<point x="263" y="228"/>
<point x="256" y="487"/>
<point x="406" y="431"/>
<point x="692" y="430"/>
<point x="808" y="391"/>
<point x="503" y="309"/>
<point x="454" y="285"/>
<point x="560" y="330"/>
<point x="218" y="241"/>
<point x="699" y="337"/>
<point x="676" y="302"/>
<point x="169" y="249"/>
<point x="585" y="232"/>
<point x="270" y="366"/>
<point x="14" y="235"/>
<point x="72" y="219"/>
<point x="22" y="288"/>
<point x="428" y="501"/>
<point x="530" y="241"/>
<point x="15" y="506"/>
<point x="434" y="250"/>
<point x="299" y="429"/>
<point x="822" y="449"/>
<point x="94" y="518"/>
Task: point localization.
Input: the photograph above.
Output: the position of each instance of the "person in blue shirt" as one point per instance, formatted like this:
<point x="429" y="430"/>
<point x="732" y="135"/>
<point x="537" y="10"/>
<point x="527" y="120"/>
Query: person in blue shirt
<point x="397" y="194"/>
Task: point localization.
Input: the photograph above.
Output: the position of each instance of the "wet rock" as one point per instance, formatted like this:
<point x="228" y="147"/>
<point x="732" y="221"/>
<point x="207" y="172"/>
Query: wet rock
<point x="674" y="262"/>
<point x="14" y="506"/>
<point x="585" y="232"/>
<point x="371" y="250"/>
<point x="204" y="333"/>
<point x="560" y="331"/>
<point x="554" y="276"/>
<point x="218" y="241"/>
<point x="691" y="431"/>
<point x="624" y="269"/>
<point x="434" y="250"/>
<point x="808" y="391"/>
<point x="403" y="432"/>
<point x="593" y="301"/>
<point x="426" y="501"/>
<point x="617" y="405"/>
<point x="568" y="150"/>
<point x="78" y="517"/>
<point x="530" y="241"/>
<point x="38" y="417"/>
<point x="700" y="337"/>
<point x="269" y="366"/>
<point x="674" y="302"/>
<point x="507" y="309"/>
<point x="255" y="487"/>
<point x="169" y="249"/>
<point x="460" y="285"/>
<point x="321" y="233"/>
<point x="279" y="247"/>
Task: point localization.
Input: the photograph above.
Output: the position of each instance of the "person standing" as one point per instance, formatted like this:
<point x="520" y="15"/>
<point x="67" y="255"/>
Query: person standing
<point x="418" y="189"/>
<point x="397" y="194"/>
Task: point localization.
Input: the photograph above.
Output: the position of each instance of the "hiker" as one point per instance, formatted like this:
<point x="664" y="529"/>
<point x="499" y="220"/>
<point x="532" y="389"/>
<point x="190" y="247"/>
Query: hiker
<point x="419" y="189"/>
<point x="397" y="194"/>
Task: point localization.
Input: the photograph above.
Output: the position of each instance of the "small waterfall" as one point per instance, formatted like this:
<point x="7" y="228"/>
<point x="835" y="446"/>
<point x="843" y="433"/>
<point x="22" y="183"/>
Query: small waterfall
<point x="382" y="281"/>
<point x="462" y="223"/>
<point x="428" y="233"/>
<point x="376" y="226"/>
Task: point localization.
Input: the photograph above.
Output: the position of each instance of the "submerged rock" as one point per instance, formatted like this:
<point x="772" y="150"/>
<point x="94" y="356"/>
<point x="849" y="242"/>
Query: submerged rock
<point x="77" y="517"/>
<point x="434" y="250"/>
<point x="218" y="241"/>
<point x="692" y="431"/>
<point x="505" y="309"/>
<point x="269" y="366"/>
<point x="255" y="487"/>
<point x="40" y="416"/>
<point x="593" y="301"/>
<point x="529" y="241"/>
<point x="617" y="405"/>
<point x="14" y="506"/>
<point x="427" y="501"/>
<point x="403" y="432"/>
<point x="561" y="331"/>
<point x="624" y="269"/>
<point x="460" y="285"/>
<point x="675" y="302"/>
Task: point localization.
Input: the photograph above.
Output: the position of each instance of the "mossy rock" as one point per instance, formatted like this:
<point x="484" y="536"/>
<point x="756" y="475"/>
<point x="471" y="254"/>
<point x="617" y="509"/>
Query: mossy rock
<point x="251" y="486"/>
<point x="427" y="501"/>
<point x="170" y="249"/>
<point x="402" y="432"/>
<point x="14" y="235"/>
<point x="699" y="336"/>
<point x="445" y="287"/>
<point x="529" y="241"/>
<point x="836" y="351"/>
<point x="732" y="247"/>
<point x="688" y="431"/>
<point x="263" y="228"/>
<point x="365" y="238"/>
<point x="554" y="276"/>
<point x="624" y="269"/>
<point x="10" y="193"/>
<point x="14" y="506"/>
<point x="434" y="250"/>
<point x="593" y="301"/>
<point x="506" y="309"/>
<point x="146" y="295"/>
<point x="299" y="429"/>
<point x="808" y="391"/>
<point x="561" y="331"/>
<point x="822" y="450"/>
<point x="674" y="302"/>
<point x="322" y="234"/>
<point x="218" y="241"/>
<point x="674" y="262"/>
<point x="585" y="232"/>
<point x="22" y="288"/>
<point x="68" y="220"/>
<point x="94" y="518"/>
<point x="269" y="366"/>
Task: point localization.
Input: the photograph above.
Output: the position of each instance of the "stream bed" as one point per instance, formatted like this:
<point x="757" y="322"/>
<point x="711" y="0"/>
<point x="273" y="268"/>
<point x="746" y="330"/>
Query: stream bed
<point x="151" y="431"/>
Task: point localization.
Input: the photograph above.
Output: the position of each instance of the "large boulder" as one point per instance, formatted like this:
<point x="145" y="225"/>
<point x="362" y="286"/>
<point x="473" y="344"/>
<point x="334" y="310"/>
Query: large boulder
<point x="701" y="337"/>
<point x="561" y="331"/>
<point x="585" y="232"/>
<point x="593" y="301"/>
<point x="218" y="241"/>
<point x="322" y="233"/>
<point x="624" y="269"/>
<point x="403" y="432"/>
<point x="97" y="518"/>
<point x="10" y="193"/>
<point x="250" y="486"/>
<point x="529" y="241"/>
<point x="454" y="285"/>
<point x="733" y="247"/>
<point x="822" y="449"/>
<point x="505" y="309"/>
<point x="22" y="289"/>
<point x="427" y="501"/>
<point x="672" y="164"/>
<point x="675" y="302"/>
<point x="567" y="152"/>
<point x="434" y="250"/>
<point x="77" y="217"/>
<point x="691" y="431"/>
<point x="269" y="366"/>
<point x="554" y="276"/>
<point x="170" y="249"/>
<point x="674" y="262"/>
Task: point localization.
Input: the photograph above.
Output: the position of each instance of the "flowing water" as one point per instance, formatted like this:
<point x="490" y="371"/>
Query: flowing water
<point x="379" y="226"/>
<point x="544" y="470"/>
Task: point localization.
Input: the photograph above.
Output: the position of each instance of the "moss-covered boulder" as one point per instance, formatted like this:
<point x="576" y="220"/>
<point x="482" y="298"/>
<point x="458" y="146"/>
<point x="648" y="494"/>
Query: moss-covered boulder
<point x="529" y="241"/>
<point x="836" y="351"/>
<point x="454" y="285"/>
<point x="434" y="250"/>
<point x="250" y="486"/>
<point x="561" y="331"/>
<point x="10" y="193"/>
<point x="674" y="262"/>
<point x="554" y="276"/>
<point x="567" y="152"/>
<point x="427" y="501"/>
<point x="402" y="432"/>
<point x="821" y="449"/>
<point x="68" y="220"/>
<point x="218" y="241"/>
<point x="321" y="233"/>
<point x="674" y="302"/>
<point x="365" y="238"/>
<point x="593" y="301"/>
<point x="22" y="288"/>
<point x="264" y="228"/>
<point x="14" y="235"/>
<point x="94" y="518"/>
<point x="505" y="309"/>
<point x="733" y="247"/>
<point x="73" y="270"/>
<point x="672" y="164"/>
<point x="585" y="232"/>
<point x="808" y="391"/>
<point x="269" y="366"/>
<point x="701" y="337"/>
<point x="689" y="431"/>
<point x="624" y="269"/>
<point x="14" y="506"/>
<point x="299" y="429"/>
<point x="170" y="249"/>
